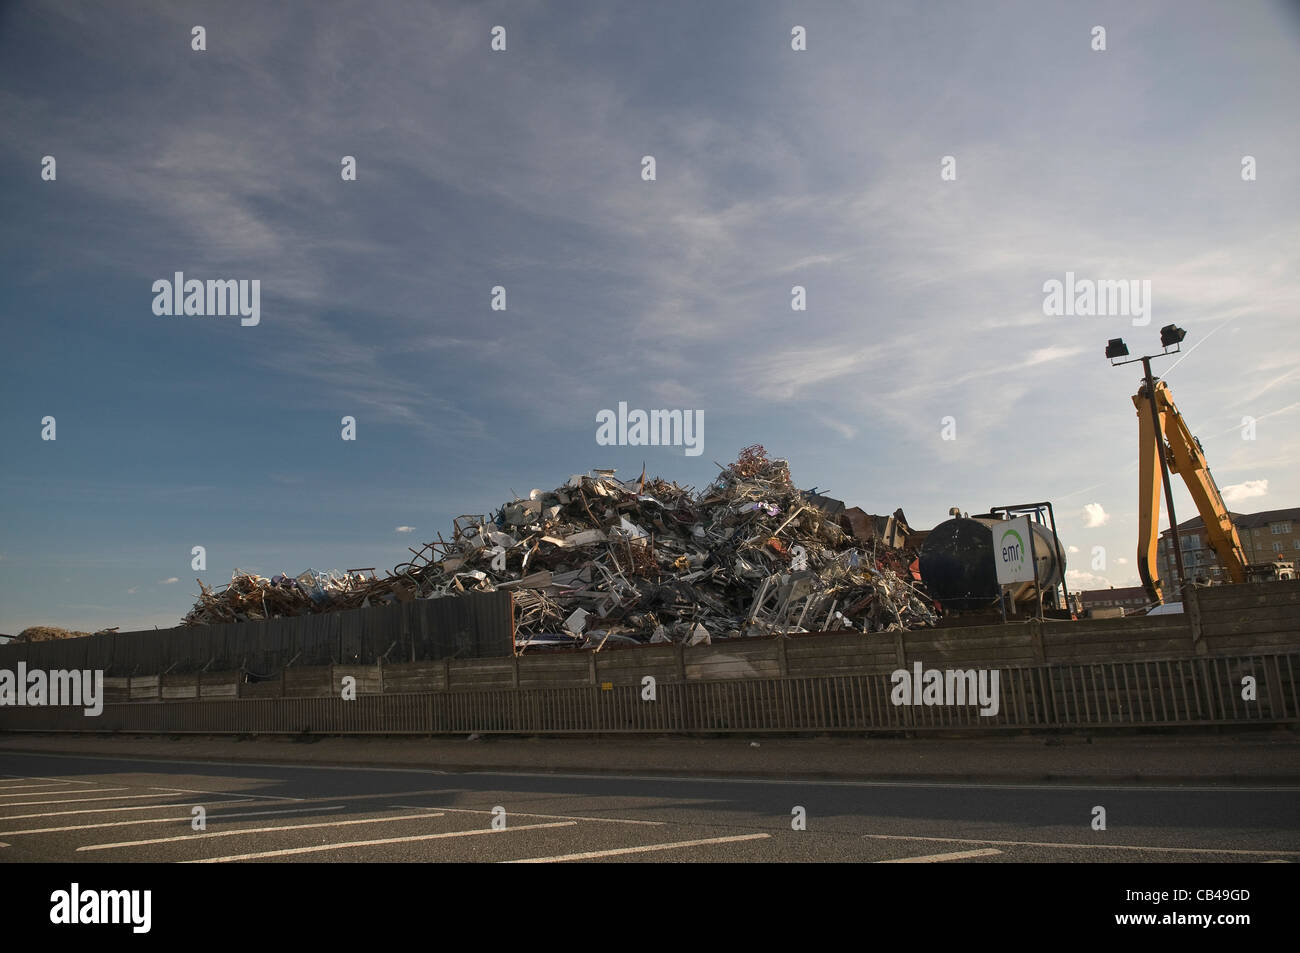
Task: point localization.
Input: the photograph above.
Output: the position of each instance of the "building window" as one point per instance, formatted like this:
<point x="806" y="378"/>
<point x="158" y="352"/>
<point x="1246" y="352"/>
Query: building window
<point x="1280" y="529"/>
<point x="1277" y="547"/>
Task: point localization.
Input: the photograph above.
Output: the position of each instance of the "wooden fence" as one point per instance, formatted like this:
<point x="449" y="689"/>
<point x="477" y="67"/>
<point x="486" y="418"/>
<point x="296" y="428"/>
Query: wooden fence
<point x="1170" y="692"/>
<point x="477" y="625"/>
<point x="1165" y="670"/>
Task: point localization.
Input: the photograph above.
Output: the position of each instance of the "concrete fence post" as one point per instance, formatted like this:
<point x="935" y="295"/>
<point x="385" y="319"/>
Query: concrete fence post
<point x="1193" y="609"/>
<point x="1036" y="637"/>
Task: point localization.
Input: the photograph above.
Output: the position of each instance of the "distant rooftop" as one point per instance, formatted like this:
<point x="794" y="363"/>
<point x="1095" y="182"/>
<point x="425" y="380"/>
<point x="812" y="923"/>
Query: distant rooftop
<point x="1244" y="520"/>
<point x="1127" y="594"/>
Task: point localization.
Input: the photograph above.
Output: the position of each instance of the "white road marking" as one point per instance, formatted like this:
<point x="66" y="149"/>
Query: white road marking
<point x="80" y="800"/>
<point x="258" y="830"/>
<point x="158" y="807"/>
<point x="269" y="797"/>
<point x="31" y="793"/>
<point x="587" y="855"/>
<point x="184" y="819"/>
<point x="940" y="858"/>
<point x="24" y="777"/>
<point x="224" y="764"/>
<point x="38" y="784"/>
<point x="557" y="817"/>
<point x="111" y="810"/>
<point x="287" y="810"/>
<point x="369" y="843"/>
<point x="1030" y="843"/>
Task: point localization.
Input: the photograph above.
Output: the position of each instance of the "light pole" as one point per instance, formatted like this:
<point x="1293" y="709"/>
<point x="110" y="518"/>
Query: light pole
<point x="1171" y="337"/>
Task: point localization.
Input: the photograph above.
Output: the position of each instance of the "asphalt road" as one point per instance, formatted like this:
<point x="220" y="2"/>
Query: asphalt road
<point x="74" y="808"/>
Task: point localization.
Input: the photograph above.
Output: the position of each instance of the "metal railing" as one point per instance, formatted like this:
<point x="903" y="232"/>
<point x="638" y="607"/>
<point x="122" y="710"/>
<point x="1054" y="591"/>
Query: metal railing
<point x="1224" y="690"/>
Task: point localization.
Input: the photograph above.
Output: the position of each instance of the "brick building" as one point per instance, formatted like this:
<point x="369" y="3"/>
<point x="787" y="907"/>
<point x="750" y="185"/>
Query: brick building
<point x="1265" y="537"/>
<point x="1128" y="598"/>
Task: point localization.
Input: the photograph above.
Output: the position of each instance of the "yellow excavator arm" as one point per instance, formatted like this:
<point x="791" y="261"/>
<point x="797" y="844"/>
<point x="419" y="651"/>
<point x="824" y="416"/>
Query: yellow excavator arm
<point x="1185" y="457"/>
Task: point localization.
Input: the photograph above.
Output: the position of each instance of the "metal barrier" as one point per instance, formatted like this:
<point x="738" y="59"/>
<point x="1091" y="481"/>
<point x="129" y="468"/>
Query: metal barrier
<point x="1167" y="692"/>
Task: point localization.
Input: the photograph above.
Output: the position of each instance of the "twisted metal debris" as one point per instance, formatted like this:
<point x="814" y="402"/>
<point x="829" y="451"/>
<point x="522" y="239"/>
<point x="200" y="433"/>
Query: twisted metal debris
<point x="602" y="561"/>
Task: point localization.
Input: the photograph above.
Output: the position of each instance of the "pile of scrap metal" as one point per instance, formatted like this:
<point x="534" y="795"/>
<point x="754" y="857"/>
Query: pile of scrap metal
<point x="601" y="561"/>
<point x="250" y="597"/>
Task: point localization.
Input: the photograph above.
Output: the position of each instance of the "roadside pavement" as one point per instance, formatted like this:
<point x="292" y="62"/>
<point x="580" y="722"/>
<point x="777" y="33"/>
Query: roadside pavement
<point x="1264" y="756"/>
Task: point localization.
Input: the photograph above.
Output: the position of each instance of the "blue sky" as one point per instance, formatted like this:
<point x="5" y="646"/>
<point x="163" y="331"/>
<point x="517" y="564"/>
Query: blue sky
<point x="522" y="169"/>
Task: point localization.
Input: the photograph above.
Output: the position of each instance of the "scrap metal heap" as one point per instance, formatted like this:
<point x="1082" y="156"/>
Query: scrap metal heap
<point x="249" y="597"/>
<point x="603" y="561"/>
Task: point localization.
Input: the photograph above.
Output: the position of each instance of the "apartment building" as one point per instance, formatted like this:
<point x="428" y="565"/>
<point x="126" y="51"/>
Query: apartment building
<point x="1265" y="537"/>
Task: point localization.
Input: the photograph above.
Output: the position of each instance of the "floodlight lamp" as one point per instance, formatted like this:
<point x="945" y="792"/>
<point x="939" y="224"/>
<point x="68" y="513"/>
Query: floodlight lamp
<point x="1171" y="334"/>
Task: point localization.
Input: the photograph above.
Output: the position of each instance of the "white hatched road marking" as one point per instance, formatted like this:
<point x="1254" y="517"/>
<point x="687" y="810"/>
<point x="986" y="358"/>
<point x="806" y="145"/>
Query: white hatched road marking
<point x="26" y="777"/>
<point x="37" y="793"/>
<point x="269" y="797"/>
<point x="80" y="800"/>
<point x="1030" y="843"/>
<point x="182" y="819"/>
<point x="243" y="799"/>
<point x="940" y="858"/>
<point x="258" y="830"/>
<point x="587" y="855"/>
<point x="369" y="843"/>
<point x="556" y="817"/>
<point x="110" y="810"/>
<point x="38" y="784"/>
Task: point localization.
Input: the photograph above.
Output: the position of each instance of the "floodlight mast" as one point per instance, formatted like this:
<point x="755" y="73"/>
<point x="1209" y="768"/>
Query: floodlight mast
<point x="1171" y="336"/>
